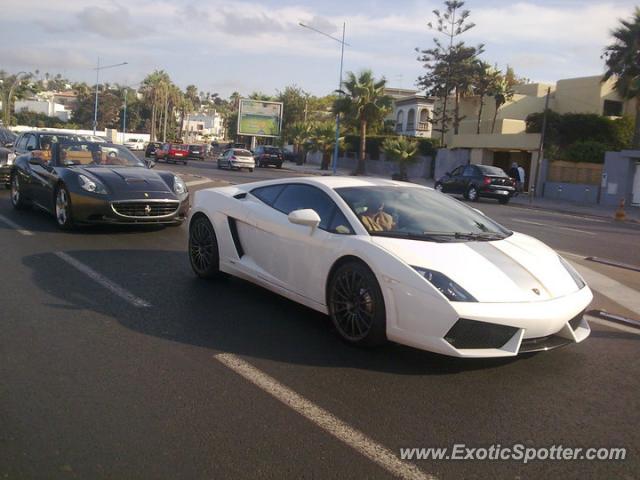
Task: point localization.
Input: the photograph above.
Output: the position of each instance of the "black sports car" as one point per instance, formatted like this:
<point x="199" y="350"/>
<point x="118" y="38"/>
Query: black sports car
<point x="86" y="183"/>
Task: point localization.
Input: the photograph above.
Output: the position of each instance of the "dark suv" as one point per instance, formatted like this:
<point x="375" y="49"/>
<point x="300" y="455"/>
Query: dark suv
<point x="197" y="152"/>
<point x="475" y="181"/>
<point x="266" y="155"/>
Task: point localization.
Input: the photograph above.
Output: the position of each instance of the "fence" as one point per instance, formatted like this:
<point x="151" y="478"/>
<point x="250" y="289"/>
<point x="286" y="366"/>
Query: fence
<point x="572" y="172"/>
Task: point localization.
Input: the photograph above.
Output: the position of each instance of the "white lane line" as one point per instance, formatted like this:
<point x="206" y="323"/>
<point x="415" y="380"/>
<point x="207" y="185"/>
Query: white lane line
<point x="16" y="227"/>
<point x="105" y="282"/>
<point x="615" y="325"/>
<point x="325" y="420"/>
<point x="553" y="226"/>
<point x="199" y="182"/>
<point x="610" y="288"/>
<point x="560" y="214"/>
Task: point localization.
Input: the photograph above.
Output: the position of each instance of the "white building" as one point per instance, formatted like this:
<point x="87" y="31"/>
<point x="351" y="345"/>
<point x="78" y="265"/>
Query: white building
<point x="44" y="106"/>
<point x="196" y="126"/>
<point x="412" y="115"/>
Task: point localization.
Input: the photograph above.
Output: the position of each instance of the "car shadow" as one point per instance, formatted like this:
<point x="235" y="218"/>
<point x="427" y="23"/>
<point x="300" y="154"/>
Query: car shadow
<point x="231" y="315"/>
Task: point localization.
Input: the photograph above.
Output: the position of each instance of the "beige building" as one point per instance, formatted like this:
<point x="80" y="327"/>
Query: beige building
<point x="507" y="141"/>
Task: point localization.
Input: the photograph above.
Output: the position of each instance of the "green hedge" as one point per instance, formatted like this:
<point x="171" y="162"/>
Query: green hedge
<point x="588" y="151"/>
<point x="426" y="146"/>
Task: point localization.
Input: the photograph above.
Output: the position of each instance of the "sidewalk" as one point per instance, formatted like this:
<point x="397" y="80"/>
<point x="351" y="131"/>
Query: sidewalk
<point x="521" y="201"/>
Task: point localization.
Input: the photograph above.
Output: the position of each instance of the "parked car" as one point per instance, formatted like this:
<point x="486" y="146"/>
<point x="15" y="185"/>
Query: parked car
<point x="95" y="139"/>
<point x="150" y="150"/>
<point x="173" y="152"/>
<point x="475" y="181"/>
<point x="7" y="137"/>
<point x="266" y="155"/>
<point x="197" y="152"/>
<point x="27" y="142"/>
<point x="82" y="182"/>
<point x="392" y="261"/>
<point x="135" y="144"/>
<point x="237" y="158"/>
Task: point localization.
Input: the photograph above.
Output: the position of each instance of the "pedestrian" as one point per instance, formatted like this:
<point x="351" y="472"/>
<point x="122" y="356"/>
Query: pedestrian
<point x="522" y="176"/>
<point x="514" y="172"/>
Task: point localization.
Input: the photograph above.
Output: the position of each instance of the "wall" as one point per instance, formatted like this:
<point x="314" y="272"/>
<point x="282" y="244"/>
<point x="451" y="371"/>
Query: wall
<point x="572" y="192"/>
<point x="518" y="141"/>
<point x="447" y="160"/>
<point x="619" y="168"/>
<point x="420" y="169"/>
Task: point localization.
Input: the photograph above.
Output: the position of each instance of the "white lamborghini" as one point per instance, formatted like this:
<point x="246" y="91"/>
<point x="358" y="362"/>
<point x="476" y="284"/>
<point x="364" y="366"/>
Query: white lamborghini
<point x="392" y="261"/>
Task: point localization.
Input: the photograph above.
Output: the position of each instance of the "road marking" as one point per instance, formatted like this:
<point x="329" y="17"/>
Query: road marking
<point x="610" y="288"/>
<point x="16" y="227"/>
<point x="325" y="420"/>
<point x="105" y="282"/>
<point x="553" y="226"/>
<point x="199" y="182"/>
<point x="617" y="326"/>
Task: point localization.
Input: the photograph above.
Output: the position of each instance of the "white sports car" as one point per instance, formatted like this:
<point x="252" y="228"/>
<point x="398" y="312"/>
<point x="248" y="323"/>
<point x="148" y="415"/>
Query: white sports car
<point x="392" y="261"/>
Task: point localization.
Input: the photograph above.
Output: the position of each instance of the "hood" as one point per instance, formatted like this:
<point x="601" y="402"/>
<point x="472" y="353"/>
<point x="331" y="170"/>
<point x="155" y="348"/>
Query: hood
<point x="502" y="271"/>
<point x="128" y="179"/>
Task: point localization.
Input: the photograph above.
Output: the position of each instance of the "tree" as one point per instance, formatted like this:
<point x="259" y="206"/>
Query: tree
<point x="484" y="79"/>
<point x="501" y="92"/>
<point x="299" y="134"/>
<point x="364" y="104"/>
<point x="322" y="139"/>
<point x="449" y="66"/>
<point x="402" y="150"/>
<point x="294" y="105"/>
<point x="622" y="59"/>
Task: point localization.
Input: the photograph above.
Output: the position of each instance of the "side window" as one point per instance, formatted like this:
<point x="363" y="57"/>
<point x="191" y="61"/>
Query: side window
<point x="339" y="224"/>
<point x="297" y="196"/>
<point x="267" y="194"/>
<point x="469" y="171"/>
<point x="31" y="142"/>
<point x="21" y="144"/>
<point x="457" y="172"/>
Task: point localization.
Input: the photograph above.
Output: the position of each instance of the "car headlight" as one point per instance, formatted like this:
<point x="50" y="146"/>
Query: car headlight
<point x="574" y="274"/>
<point x="92" y="186"/>
<point x="10" y="158"/>
<point x="179" y="187"/>
<point x="446" y="286"/>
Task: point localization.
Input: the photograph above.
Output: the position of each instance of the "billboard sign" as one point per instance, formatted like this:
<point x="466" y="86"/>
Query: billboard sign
<point x="258" y="118"/>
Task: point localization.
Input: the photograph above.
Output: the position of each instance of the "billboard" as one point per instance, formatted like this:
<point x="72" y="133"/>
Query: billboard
<point x="258" y="118"/>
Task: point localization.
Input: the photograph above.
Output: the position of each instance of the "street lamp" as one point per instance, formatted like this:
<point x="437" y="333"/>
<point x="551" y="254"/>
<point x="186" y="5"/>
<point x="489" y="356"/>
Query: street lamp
<point x="7" y="107"/>
<point x="95" y="107"/>
<point x="342" y="44"/>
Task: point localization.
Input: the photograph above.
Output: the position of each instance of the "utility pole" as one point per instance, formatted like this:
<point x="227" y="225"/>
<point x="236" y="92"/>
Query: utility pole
<point x="541" y="147"/>
<point x="124" y="117"/>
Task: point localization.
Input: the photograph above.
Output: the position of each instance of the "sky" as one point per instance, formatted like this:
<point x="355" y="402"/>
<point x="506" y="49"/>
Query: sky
<point x="241" y="45"/>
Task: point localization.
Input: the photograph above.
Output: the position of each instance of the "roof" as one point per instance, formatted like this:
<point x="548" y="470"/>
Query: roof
<point x="333" y="182"/>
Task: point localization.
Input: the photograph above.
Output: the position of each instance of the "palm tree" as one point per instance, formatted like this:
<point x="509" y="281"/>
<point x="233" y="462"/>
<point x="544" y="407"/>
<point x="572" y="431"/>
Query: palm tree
<point x="502" y="92"/>
<point x="363" y="104"/>
<point x="322" y="139"/>
<point x="622" y="59"/>
<point x="299" y="133"/>
<point x="485" y="78"/>
<point x="402" y="150"/>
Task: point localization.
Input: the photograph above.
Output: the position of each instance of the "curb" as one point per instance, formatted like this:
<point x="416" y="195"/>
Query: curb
<point x="572" y="212"/>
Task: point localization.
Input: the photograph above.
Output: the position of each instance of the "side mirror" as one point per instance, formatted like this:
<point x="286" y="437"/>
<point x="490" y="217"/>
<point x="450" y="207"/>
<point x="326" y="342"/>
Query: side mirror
<point x="150" y="163"/>
<point x="305" y="216"/>
<point x="36" y="160"/>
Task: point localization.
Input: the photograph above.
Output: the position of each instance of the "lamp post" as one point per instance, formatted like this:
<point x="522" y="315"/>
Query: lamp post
<point x="7" y="107"/>
<point x="334" y="166"/>
<point x="95" y="107"/>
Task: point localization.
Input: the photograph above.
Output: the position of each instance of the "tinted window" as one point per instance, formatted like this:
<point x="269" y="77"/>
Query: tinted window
<point x="31" y="142"/>
<point x="22" y="143"/>
<point x="267" y="194"/>
<point x="242" y="153"/>
<point x="457" y="171"/>
<point x="296" y="197"/>
<point x="469" y="171"/>
<point x="490" y="170"/>
<point x="339" y="224"/>
<point x="272" y="150"/>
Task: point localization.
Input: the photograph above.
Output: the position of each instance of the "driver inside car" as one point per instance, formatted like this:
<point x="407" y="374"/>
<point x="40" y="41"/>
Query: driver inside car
<point x="375" y="219"/>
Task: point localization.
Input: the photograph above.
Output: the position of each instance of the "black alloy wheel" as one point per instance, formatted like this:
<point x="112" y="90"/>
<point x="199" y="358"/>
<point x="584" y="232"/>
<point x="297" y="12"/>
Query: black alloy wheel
<point x="203" y="248"/>
<point x="356" y="305"/>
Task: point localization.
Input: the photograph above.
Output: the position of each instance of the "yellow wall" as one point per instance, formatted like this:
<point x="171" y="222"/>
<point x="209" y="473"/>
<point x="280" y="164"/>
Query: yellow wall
<point x="520" y="141"/>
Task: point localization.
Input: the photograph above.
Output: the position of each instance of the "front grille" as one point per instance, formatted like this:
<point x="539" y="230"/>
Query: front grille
<point x="146" y="209"/>
<point x="473" y="334"/>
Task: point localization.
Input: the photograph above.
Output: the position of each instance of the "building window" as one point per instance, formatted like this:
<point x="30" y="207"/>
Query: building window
<point x="399" y="121"/>
<point x="612" y="108"/>
<point x="411" y="120"/>
<point x="423" y="125"/>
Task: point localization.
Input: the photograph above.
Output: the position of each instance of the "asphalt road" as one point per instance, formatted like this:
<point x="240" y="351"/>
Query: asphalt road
<point x="93" y="386"/>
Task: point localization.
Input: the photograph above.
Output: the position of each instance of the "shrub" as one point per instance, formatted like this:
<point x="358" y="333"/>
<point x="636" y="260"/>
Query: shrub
<point x="586" y="151"/>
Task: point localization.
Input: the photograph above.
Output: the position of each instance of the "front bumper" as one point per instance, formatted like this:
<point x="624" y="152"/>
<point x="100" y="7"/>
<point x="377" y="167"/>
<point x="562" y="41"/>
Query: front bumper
<point x="92" y="209"/>
<point x="531" y="326"/>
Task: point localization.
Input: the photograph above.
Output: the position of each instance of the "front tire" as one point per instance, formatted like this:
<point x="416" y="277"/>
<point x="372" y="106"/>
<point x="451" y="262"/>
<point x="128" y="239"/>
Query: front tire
<point x="356" y="305"/>
<point x="438" y="187"/>
<point x="472" y="194"/>
<point x="63" y="210"/>
<point x="17" y="200"/>
<point x="204" y="253"/>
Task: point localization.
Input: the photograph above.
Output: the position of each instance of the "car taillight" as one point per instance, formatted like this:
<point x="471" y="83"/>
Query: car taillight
<point x="233" y="157"/>
<point x="486" y="181"/>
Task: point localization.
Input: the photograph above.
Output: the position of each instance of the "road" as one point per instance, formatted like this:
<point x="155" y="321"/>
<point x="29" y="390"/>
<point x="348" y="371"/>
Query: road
<point x="226" y="380"/>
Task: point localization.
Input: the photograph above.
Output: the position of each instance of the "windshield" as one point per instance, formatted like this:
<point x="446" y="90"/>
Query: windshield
<point x="271" y="150"/>
<point x="415" y="212"/>
<point x="96" y="155"/>
<point x="490" y="170"/>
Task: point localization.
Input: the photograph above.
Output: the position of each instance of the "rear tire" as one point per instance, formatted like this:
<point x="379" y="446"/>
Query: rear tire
<point x="204" y="253"/>
<point x="356" y="305"/>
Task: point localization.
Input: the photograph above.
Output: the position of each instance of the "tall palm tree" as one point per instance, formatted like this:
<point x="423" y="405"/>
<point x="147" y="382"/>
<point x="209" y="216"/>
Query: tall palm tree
<point x="502" y="92"/>
<point x="299" y="133"/>
<point x="322" y="139"/>
<point x="484" y="80"/>
<point x="363" y="104"/>
<point x="622" y="59"/>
